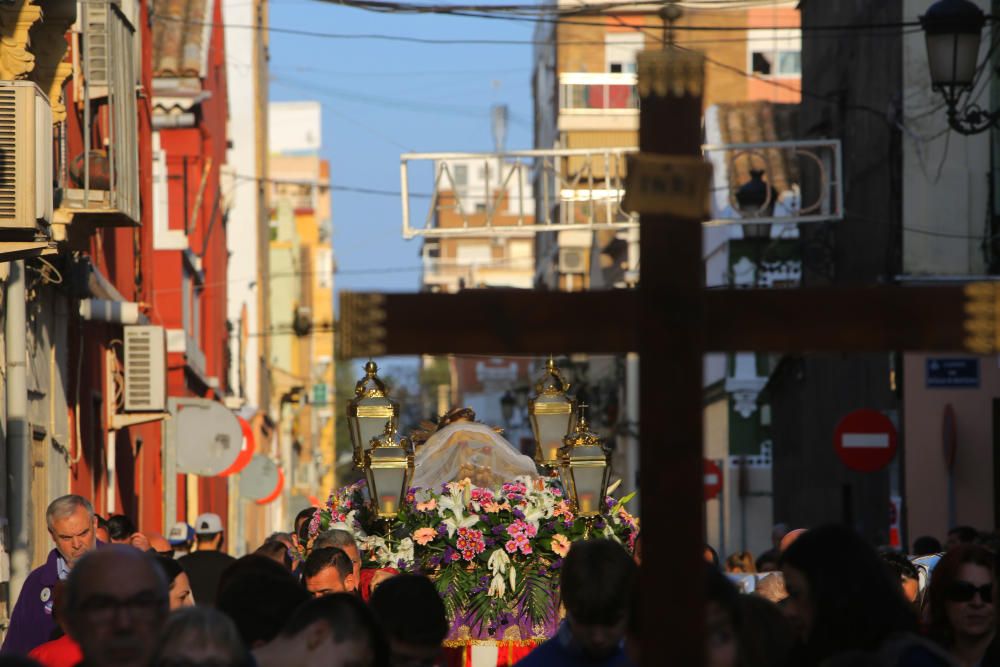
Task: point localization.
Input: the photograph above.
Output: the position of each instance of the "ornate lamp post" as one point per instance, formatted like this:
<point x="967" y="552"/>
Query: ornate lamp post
<point x="388" y="465"/>
<point x="953" y="30"/>
<point x="585" y="469"/>
<point x="551" y="412"/>
<point x="370" y="412"/>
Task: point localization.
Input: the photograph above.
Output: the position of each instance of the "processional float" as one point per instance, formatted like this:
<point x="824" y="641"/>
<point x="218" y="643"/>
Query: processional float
<point x="488" y="524"/>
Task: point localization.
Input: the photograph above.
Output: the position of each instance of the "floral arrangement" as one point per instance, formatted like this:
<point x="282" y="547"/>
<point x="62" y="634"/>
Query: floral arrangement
<point x="494" y="554"/>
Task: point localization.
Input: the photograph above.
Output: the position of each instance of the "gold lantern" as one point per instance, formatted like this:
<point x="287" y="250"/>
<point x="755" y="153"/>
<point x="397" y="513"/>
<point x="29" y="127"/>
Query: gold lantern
<point x="370" y="412"/>
<point x="585" y="467"/>
<point x="388" y="465"/>
<point x="551" y="413"/>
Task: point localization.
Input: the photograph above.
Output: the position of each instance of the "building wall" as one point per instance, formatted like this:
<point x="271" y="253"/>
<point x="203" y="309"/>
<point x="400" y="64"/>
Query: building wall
<point x="811" y="393"/>
<point x="247" y="217"/>
<point x="945" y="175"/>
<point x="927" y="478"/>
<point x="948" y="221"/>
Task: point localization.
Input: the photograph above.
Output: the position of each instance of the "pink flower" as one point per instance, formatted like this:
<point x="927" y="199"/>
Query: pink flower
<point x="520" y="528"/>
<point x="482" y="495"/>
<point x="470" y="541"/>
<point x="511" y="546"/>
<point x="560" y="545"/>
<point x="427" y="506"/>
<point x="424" y="536"/>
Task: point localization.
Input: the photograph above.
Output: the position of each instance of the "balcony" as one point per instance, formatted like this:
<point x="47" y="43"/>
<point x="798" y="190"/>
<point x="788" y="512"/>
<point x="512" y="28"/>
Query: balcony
<point x="598" y="101"/>
<point x="102" y="188"/>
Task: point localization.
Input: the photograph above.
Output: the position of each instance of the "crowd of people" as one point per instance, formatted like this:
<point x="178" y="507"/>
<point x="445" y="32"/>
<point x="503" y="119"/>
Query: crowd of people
<point x="110" y="596"/>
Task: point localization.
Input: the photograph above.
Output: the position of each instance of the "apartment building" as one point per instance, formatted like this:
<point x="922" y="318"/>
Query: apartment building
<point x="301" y="309"/>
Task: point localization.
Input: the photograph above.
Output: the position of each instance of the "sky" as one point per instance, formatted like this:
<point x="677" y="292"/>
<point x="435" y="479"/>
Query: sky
<point x="382" y="98"/>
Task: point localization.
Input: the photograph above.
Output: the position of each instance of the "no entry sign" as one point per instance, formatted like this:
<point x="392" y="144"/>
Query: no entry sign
<point x="865" y="440"/>
<point x="713" y="479"/>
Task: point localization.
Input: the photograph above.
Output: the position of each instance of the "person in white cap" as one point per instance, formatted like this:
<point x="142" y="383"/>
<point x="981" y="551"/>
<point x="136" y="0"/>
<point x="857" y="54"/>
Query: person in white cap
<point x="204" y="567"/>
<point x="181" y="538"/>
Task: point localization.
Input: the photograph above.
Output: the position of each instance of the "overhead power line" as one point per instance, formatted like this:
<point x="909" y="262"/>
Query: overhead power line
<point x="520" y="42"/>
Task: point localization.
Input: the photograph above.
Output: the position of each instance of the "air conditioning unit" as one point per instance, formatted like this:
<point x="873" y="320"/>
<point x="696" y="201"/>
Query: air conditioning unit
<point x="145" y="369"/>
<point x="96" y="46"/>
<point x="573" y="260"/>
<point x="25" y="156"/>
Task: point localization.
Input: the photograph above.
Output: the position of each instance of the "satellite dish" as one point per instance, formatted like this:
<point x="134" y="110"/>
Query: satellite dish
<point x="246" y="453"/>
<point x="208" y="437"/>
<point x="260" y="478"/>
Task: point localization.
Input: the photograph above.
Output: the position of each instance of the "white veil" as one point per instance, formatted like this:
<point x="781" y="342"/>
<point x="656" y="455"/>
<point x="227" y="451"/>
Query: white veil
<point x="469" y="449"/>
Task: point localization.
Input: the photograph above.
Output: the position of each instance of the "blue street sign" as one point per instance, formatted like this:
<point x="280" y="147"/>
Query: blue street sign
<point x="953" y="372"/>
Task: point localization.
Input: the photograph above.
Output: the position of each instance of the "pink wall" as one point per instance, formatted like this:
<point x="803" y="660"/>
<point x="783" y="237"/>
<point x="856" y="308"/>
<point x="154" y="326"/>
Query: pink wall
<point x="926" y="477"/>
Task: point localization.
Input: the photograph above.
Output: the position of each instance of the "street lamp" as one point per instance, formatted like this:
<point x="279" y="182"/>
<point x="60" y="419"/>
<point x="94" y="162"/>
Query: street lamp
<point x="755" y="199"/>
<point x="551" y="412"/>
<point x="585" y="469"/>
<point x="370" y="412"/>
<point x="388" y="465"/>
<point x="507" y="404"/>
<point x="953" y="29"/>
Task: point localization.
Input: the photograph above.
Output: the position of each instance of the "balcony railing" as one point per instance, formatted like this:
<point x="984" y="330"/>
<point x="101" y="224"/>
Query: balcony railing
<point x="598" y="93"/>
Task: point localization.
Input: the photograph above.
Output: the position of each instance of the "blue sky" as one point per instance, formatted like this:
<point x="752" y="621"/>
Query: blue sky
<point x="381" y="98"/>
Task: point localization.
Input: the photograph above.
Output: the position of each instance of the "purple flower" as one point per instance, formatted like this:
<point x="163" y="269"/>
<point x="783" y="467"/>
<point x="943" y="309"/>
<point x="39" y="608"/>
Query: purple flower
<point x="489" y="541"/>
<point x="442" y="530"/>
<point x="401" y="564"/>
<point x="499" y="530"/>
<point x="600" y="524"/>
<point x="609" y="501"/>
<point x="518" y="514"/>
<point x="435" y="560"/>
<point x="484" y="518"/>
<point x="557" y="563"/>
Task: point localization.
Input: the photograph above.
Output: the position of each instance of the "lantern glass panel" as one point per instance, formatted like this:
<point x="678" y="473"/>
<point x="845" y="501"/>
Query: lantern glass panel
<point x="952" y="59"/>
<point x="370" y="428"/>
<point x="388" y="468"/>
<point x="588" y="466"/>
<point x="553" y="416"/>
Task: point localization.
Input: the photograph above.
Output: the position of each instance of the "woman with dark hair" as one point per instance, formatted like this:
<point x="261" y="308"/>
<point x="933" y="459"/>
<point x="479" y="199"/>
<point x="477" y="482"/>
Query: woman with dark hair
<point x="177" y="579"/>
<point x="841" y="599"/>
<point x="963" y="613"/>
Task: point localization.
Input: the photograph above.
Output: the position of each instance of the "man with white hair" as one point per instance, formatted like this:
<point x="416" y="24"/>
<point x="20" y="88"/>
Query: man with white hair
<point x="73" y="528"/>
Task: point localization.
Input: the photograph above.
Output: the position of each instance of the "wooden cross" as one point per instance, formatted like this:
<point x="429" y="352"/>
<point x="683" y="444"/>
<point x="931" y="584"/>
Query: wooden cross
<point x="671" y="320"/>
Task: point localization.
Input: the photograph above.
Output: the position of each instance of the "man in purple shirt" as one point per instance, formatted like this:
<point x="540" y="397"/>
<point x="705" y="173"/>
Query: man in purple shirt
<point x="73" y="528"/>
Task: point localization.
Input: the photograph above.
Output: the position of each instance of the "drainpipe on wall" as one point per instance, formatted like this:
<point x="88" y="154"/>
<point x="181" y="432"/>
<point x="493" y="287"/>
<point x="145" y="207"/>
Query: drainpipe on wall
<point x="18" y="460"/>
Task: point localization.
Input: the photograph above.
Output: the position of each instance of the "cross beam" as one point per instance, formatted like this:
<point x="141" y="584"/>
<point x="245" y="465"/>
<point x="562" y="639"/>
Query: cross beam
<point x="508" y="321"/>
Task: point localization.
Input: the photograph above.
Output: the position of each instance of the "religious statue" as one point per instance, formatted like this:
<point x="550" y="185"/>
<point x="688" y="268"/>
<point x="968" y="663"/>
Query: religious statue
<point x="462" y="448"/>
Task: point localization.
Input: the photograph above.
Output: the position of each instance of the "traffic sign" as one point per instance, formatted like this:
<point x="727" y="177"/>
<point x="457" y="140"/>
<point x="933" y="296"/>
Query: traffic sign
<point x="713" y="479"/>
<point x="865" y="440"/>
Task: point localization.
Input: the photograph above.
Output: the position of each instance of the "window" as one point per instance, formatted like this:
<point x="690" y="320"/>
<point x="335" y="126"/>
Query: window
<point x="775" y="53"/>
<point x="620" y="49"/>
<point x="460" y="175"/>
<point x="473" y="253"/>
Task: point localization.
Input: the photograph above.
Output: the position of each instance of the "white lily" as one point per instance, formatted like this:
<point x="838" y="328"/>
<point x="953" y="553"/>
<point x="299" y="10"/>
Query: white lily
<point x="498" y="562"/>
<point x="454" y="504"/>
<point x="513" y="578"/>
<point x="405" y="550"/>
<point x="497" y="587"/>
